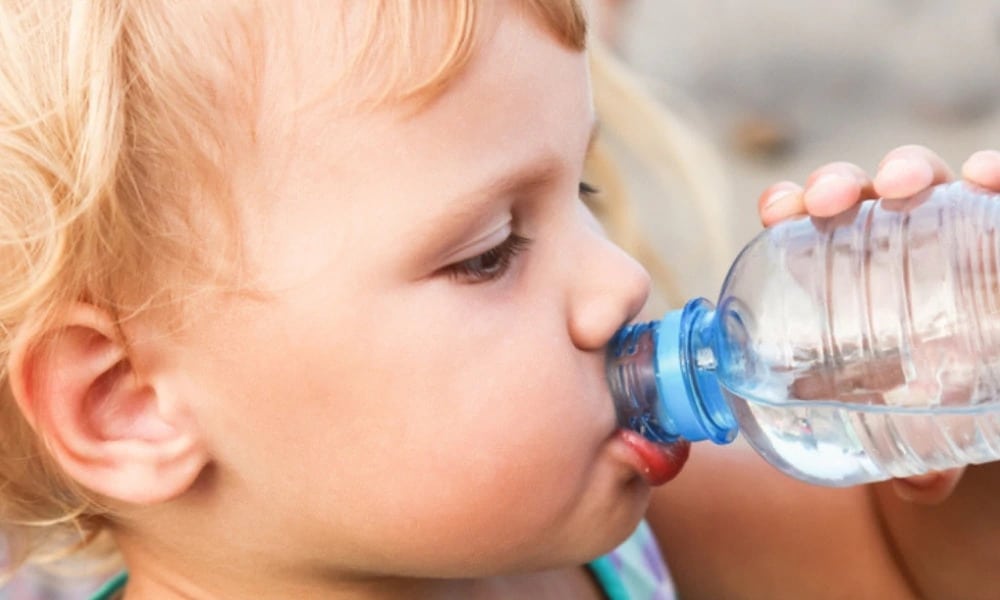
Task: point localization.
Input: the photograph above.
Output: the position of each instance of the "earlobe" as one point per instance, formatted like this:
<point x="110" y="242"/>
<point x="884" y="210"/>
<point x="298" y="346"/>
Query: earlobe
<point x="103" y="422"/>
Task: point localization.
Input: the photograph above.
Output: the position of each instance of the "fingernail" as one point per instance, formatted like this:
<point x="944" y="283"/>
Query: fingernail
<point x="912" y="175"/>
<point x="779" y="197"/>
<point x="905" y="491"/>
<point x="921" y="489"/>
<point x="827" y="186"/>
<point x="983" y="167"/>
<point x="896" y="168"/>
<point x="922" y="481"/>
<point x="985" y="157"/>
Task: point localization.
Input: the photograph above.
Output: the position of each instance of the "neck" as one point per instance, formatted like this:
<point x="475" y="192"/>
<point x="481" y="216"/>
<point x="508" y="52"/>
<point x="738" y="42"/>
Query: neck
<point x="164" y="584"/>
<point x="191" y="565"/>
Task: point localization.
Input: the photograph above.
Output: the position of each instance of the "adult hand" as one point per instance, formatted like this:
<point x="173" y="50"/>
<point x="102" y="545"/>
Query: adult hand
<point x="836" y="187"/>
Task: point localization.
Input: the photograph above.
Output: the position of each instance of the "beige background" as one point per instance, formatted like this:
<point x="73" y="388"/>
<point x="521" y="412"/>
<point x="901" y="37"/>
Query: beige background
<point x="782" y="86"/>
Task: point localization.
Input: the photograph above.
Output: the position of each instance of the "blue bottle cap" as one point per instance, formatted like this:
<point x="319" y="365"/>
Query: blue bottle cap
<point x="690" y="398"/>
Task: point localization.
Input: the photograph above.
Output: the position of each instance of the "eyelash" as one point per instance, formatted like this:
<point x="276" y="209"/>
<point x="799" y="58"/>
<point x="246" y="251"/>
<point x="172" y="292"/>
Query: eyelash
<point x="492" y="264"/>
<point x="495" y="262"/>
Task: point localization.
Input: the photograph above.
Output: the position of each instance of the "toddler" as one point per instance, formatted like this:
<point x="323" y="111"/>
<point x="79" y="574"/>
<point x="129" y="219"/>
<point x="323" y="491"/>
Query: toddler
<point x="300" y="300"/>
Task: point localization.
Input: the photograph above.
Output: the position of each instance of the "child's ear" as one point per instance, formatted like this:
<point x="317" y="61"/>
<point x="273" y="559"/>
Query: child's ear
<point x="104" y="424"/>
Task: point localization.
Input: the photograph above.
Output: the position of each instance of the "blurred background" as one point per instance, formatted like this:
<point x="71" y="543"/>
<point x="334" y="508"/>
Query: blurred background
<point x="776" y="88"/>
<point x="779" y="88"/>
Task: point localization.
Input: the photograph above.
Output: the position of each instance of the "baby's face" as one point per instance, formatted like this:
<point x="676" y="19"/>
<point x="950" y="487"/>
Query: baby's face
<point x="421" y="390"/>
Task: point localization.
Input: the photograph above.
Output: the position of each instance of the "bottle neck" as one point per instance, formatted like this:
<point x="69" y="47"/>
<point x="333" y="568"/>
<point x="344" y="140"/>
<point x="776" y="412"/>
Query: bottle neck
<point x="663" y="378"/>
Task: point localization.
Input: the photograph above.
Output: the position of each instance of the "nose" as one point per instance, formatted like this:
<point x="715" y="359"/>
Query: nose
<point x="608" y="290"/>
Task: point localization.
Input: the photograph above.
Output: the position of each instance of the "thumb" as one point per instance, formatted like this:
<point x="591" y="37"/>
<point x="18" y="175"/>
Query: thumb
<point x="931" y="488"/>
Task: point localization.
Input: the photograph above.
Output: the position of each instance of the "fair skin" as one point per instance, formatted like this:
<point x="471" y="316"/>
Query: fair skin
<point x="747" y="531"/>
<point x="414" y="405"/>
<point x="370" y="424"/>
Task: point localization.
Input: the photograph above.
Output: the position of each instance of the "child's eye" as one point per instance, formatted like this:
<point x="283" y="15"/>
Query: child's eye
<point x="495" y="262"/>
<point x="489" y="265"/>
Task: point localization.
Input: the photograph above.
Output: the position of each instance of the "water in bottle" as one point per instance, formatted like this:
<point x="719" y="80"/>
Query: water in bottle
<point x="846" y="350"/>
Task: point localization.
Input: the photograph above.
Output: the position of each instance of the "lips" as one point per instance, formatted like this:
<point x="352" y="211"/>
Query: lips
<point x="656" y="463"/>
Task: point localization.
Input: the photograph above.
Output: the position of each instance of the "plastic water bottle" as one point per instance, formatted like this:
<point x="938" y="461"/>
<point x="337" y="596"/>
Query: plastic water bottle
<point x="847" y="349"/>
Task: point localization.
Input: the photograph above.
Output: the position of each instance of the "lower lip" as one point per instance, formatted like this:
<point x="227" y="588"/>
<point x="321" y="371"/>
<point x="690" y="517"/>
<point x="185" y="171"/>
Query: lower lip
<point x="656" y="463"/>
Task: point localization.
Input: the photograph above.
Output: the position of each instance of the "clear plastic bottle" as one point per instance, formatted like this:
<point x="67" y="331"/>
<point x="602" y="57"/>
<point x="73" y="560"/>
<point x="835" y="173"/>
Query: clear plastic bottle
<point x="847" y="350"/>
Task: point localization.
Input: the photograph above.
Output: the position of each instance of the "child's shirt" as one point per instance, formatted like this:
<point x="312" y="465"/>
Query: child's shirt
<point x="633" y="571"/>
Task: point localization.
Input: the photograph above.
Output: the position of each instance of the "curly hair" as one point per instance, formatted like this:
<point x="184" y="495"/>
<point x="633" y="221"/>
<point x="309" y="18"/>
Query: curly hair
<point x="118" y="120"/>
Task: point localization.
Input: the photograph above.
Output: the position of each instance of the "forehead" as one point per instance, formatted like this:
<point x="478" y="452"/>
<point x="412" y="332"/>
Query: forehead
<point x="397" y="48"/>
<point x="353" y="194"/>
<point x="522" y="94"/>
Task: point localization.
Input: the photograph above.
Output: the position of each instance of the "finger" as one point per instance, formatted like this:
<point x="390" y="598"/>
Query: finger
<point x="909" y="169"/>
<point x="983" y="168"/>
<point x="780" y="201"/>
<point x="932" y="488"/>
<point x="835" y="187"/>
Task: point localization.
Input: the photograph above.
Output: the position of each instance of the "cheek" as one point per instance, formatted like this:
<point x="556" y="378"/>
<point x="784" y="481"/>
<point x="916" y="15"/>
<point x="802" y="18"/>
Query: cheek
<point x="483" y="414"/>
<point x="485" y="422"/>
<point x="426" y="374"/>
<point x="481" y="419"/>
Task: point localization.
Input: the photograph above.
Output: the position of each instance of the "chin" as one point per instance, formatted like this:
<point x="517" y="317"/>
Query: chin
<point x="613" y="519"/>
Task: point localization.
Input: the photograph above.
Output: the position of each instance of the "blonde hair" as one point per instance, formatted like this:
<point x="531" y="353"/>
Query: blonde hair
<point x="117" y="120"/>
<point x="679" y="160"/>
